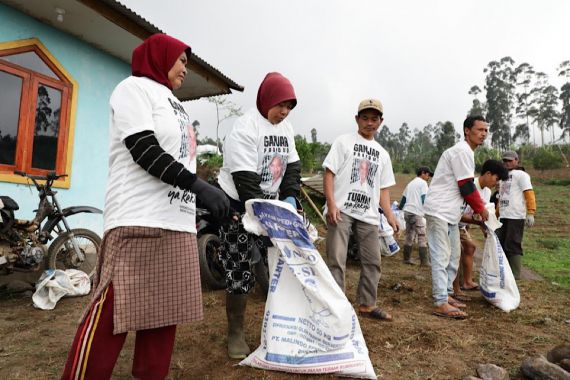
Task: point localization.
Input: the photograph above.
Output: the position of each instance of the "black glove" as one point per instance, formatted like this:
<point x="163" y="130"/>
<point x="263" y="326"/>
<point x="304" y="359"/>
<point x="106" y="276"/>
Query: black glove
<point x="213" y="198"/>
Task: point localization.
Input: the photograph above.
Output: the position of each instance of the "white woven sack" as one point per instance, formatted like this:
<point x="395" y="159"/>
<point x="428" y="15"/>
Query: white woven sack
<point x="308" y="326"/>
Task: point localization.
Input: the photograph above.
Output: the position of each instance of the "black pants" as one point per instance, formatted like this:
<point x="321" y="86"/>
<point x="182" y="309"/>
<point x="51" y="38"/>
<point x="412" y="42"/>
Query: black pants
<point x="236" y="252"/>
<point x="511" y="236"/>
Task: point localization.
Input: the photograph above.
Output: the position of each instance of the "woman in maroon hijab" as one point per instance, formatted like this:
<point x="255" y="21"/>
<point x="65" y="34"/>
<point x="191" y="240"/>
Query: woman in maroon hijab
<point x="148" y="278"/>
<point x="260" y="161"/>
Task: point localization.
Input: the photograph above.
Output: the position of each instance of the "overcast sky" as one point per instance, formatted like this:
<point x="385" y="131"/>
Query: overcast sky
<point x="418" y="57"/>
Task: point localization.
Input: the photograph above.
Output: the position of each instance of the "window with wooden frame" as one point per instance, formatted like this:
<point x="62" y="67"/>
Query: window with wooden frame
<point x="35" y="112"/>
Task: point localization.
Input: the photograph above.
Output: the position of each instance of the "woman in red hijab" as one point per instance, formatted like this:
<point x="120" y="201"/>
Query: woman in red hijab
<point x="260" y="161"/>
<point x="148" y="278"/>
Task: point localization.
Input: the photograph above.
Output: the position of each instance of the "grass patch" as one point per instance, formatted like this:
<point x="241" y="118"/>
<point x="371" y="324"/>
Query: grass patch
<point x="547" y="245"/>
<point x="556" y="181"/>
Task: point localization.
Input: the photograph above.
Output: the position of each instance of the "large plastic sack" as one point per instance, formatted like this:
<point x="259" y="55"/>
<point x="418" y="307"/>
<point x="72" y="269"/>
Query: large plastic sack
<point x="496" y="280"/>
<point x="399" y="215"/>
<point x="388" y="245"/>
<point x="54" y="284"/>
<point x="309" y="326"/>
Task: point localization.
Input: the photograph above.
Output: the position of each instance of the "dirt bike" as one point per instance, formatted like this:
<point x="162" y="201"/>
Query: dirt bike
<point x="212" y="271"/>
<point x="23" y="243"/>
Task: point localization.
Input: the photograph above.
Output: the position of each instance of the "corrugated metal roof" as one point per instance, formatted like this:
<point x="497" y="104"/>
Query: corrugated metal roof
<point x="152" y="29"/>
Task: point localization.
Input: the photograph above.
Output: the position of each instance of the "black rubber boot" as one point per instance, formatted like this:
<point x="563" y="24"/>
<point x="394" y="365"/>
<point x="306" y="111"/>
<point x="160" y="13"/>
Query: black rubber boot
<point x="408" y="255"/>
<point x="515" y="261"/>
<point x="235" y="311"/>
<point x="424" y="257"/>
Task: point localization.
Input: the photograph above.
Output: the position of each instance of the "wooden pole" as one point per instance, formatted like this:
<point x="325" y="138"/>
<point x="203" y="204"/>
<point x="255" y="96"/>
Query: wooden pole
<point x="313" y="205"/>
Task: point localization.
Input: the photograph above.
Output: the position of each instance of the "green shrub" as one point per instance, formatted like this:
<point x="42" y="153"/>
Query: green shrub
<point x="545" y="158"/>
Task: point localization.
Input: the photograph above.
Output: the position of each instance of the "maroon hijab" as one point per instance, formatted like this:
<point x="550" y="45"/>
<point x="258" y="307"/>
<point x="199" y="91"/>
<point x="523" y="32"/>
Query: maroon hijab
<point x="274" y="89"/>
<point x="155" y="57"/>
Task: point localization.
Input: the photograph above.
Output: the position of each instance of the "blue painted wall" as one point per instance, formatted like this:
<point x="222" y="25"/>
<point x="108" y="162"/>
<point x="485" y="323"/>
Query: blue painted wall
<point x="97" y="73"/>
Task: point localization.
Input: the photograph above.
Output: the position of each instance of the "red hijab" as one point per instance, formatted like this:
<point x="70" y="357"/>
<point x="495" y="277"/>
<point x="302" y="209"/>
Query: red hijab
<point x="274" y="89"/>
<point x="155" y="57"/>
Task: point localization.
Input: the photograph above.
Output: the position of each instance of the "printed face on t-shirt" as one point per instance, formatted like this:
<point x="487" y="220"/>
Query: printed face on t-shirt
<point x="276" y="168"/>
<point x="191" y="143"/>
<point x="363" y="170"/>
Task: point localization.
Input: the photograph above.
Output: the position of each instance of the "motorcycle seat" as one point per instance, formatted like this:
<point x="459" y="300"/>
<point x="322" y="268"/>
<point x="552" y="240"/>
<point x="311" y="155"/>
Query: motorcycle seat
<point x="8" y="203"/>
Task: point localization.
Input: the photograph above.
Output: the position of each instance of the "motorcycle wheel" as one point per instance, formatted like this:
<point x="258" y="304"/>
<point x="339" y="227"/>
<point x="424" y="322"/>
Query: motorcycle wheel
<point x="353" y="250"/>
<point x="212" y="272"/>
<point x="61" y="254"/>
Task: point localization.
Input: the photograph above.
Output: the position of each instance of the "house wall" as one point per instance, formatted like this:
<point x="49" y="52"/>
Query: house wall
<point x="97" y="73"/>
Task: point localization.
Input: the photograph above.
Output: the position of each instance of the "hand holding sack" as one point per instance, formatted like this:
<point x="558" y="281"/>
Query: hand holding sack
<point x="213" y="198"/>
<point x="529" y="220"/>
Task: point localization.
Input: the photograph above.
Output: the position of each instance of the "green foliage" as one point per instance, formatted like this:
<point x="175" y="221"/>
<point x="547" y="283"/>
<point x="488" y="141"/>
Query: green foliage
<point x="311" y="154"/>
<point x="483" y="154"/>
<point x="547" y="244"/>
<point x="500" y="84"/>
<point x="545" y="158"/>
<point x="556" y="182"/>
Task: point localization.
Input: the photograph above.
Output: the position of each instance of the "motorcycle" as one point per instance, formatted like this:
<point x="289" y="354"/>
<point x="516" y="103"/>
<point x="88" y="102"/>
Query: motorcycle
<point x="212" y="272"/>
<point x="23" y="243"/>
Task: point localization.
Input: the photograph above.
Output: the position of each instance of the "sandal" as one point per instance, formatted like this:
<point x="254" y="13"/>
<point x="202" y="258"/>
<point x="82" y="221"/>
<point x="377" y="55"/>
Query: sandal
<point x="473" y="288"/>
<point x="377" y="313"/>
<point x="461" y="297"/>
<point x="452" y="313"/>
<point x="455" y="303"/>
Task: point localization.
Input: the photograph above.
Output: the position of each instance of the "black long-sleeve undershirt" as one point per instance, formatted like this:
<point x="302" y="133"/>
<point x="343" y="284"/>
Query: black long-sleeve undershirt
<point x="147" y="152"/>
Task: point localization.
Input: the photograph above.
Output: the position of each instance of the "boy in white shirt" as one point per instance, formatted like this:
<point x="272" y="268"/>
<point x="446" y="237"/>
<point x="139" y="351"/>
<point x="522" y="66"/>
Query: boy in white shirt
<point x="412" y="203"/>
<point x="492" y="172"/>
<point x="357" y="177"/>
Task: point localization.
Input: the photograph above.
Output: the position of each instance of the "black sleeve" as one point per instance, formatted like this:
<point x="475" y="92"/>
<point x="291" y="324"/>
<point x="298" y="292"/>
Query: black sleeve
<point x="247" y="185"/>
<point x="147" y="153"/>
<point x="291" y="183"/>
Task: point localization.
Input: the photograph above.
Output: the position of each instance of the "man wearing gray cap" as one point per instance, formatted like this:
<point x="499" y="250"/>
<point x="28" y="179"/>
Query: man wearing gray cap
<point x="412" y="203"/>
<point x="517" y="206"/>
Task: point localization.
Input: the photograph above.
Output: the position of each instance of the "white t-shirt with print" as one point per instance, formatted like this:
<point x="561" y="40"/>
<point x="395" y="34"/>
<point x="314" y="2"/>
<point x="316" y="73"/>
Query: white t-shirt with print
<point x="512" y="204"/>
<point x="413" y="193"/>
<point x="256" y="145"/>
<point x="135" y="197"/>
<point x="443" y="199"/>
<point x="361" y="168"/>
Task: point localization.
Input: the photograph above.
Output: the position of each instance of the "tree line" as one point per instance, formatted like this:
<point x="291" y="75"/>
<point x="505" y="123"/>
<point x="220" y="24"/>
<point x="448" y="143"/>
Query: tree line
<point x="518" y="97"/>
<point x="514" y="98"/>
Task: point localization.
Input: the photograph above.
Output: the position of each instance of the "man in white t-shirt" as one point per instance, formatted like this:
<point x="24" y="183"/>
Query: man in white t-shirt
<point x="452" y="185"/>
<point x="412" y="203"/>
<point x="517" y="206"/>
<point x="492" y="172"/>
<point x="358" y="173"/>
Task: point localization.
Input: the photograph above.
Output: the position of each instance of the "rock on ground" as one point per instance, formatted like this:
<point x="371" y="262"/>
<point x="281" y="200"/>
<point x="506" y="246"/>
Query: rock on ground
<point x="539" y="368"/>
<point x="559" y="353"/>
<point x="565" y="364"/>
<point x="492" y="372"/>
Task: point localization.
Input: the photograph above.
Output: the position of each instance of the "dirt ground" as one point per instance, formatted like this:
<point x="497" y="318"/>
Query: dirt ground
<point x="417" y="345"/>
